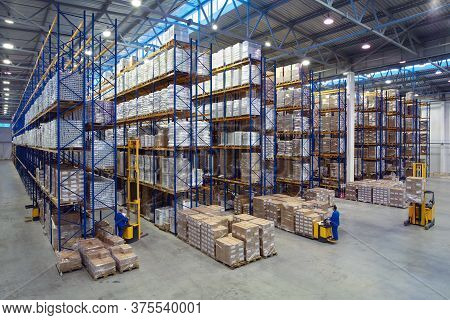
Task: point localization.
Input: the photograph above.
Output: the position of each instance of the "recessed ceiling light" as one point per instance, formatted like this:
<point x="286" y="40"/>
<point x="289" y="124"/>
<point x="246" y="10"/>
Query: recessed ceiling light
<point x="136" y="3"/>
<point x="7" y="61"/>
<point x="6" y="82"/>
<point x="7" y="72"/>
<point x="88" y="52"/>
<point x="6" y="99"/>
<point x="7" y="94"/>
<point x="345" y="73"/>
<point x="416" y="95"/>
<point x="448" y="81"/>
<point x="5" y="89"/>
<point x="365" y="46"/>
<point x="106" y="33"/>
<point x="267" y="44"/>
<point x="438" y="72"/>
<point x="8" y="46"/>
<point x="328" y="20"/>
<point x="215" y="27"/>
<point x="306" y="62"/>
<point x="388" y="81"/>
<point x="9" y="21"/>
<point x="4" y="111"/>
<point x="402" y="62"/>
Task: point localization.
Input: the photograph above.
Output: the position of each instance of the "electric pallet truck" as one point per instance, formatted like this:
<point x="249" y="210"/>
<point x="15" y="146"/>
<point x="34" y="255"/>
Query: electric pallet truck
<point x="422" y="214"/>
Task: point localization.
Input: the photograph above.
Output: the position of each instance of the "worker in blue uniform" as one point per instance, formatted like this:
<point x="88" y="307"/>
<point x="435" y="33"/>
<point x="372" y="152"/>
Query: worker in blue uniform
<point x="334" y="221"/>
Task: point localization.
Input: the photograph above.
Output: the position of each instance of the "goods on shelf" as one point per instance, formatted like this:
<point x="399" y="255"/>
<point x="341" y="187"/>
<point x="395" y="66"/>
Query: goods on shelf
<point x="250" y="166"/>
<point x="104" y="193"/>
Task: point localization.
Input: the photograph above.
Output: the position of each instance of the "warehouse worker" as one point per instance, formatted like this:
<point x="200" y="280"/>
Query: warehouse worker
<point x="334" y="221"/>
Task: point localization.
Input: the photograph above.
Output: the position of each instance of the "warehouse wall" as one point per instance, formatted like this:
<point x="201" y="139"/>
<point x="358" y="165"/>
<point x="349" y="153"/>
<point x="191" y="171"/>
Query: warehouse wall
<point x="440" y="137"/>
<point x="5" y="143"/>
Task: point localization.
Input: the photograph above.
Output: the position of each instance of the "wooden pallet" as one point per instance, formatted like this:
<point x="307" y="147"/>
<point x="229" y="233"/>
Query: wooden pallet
<point x="129" y="268"/>
<point x="104" y="275"/>
<point x="273" y="254"/>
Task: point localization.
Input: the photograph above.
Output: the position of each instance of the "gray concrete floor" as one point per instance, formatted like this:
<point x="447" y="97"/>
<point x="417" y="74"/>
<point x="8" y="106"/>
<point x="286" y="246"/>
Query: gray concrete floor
<point x="376" y="258"/>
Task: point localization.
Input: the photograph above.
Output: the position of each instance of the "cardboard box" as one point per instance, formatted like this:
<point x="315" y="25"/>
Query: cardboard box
<point x="124" y="257"/>
<point x="249" y="233"/>
<point x="266" y="236"/>
<point x="230" y="251"/>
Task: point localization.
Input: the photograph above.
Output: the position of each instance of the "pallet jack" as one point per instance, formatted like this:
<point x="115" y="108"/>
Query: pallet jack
<point x="422" y="214"/>
<point x="322" y="231"/>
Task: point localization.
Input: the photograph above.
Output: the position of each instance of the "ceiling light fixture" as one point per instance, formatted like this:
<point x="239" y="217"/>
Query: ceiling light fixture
<point x="5" y="89"/>
<point x="416" y="95"/>
<point x="388" y="81"/>
<point x="7" y="94"/>
<point x="215" y="27"/>
<point x="438" y="72"/>
<point x="267" y="44"/>
<point x="7" y="61"/>
<point x="9" y="21"/>
<point x="328" y="20"/>
<point x="7" y="72"/>
<point x="306" y="62"/>
<point x="402" y="62"/>
<point x="88" y="52"/>
<point x="6" y="99"/>
<point x="8" y="46"/>
<point x="345" y="73"/>
<point x="6" y="82"/>
<point x="365" y="46"/>
<point x="136" y="3"/>
<point x="106" y="33"/>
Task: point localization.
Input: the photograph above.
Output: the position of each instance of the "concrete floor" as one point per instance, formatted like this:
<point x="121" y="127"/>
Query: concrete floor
<point x="376" y="258"/>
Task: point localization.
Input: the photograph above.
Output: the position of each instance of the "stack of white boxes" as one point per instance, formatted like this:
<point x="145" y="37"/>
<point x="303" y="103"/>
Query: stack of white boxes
<point x="103" y="155"/>
<point x="104" y="193"/>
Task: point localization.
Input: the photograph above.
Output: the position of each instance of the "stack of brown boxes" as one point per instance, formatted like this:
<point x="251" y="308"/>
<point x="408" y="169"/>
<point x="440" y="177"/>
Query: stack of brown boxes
<point x="249" y="233"/>
<point x="304" y="221"/>
<point x="351" y="191"/>
<point x="266" y="236"/>
<point x="288" y="210"/>
<point x="99" y="263"/>
<point x="194" y="227"/>
<point x="415" y="187"/>
<point x="397" y="197"/>
<point x="320" y="194"/>
<point x="242" y="217"/>
<point x="211" y="229"/>
<point x="259" y="206"/>
<point x="124" y="257"/>
<point x="68" y="260"/>
<point x="182" y="223"/>
<point x="274" y="211"/>
<point x="230" y="251"/>
<point x="241" y="203"/>
<point x="365" y="191"/>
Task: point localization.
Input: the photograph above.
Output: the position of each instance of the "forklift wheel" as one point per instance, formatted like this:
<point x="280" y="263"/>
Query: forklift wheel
<point x="429" y="225"/>
<point x="406" y="223"/>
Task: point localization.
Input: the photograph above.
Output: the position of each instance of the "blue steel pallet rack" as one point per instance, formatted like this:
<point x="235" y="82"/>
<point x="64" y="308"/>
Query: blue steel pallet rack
<point x="191" y="110"/>
<point x="305" y="85"/>
<point x="339" y="157"/>
<point x="66" y="58"/>
<point x="224" y="124"/>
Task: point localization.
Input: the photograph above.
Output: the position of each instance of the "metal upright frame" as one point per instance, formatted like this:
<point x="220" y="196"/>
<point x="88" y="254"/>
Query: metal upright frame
<point x="65" y="60"/>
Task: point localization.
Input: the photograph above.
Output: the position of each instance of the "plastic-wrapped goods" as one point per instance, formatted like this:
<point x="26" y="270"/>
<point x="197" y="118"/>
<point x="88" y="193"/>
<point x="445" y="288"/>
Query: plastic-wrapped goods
<point x="250" y="74"/>
<point x="182" y="62"/>
<point x="249" y="49"/>
<point x="71" y="183"/>
<point x="287" y="73"/>
<point x="103" y="112"/>
<point x="180" y="33"/>
<point x="237" y="50"/>
<point x="104" y="193"/>
<point x="255" y="106"/>
<point x="203" y="62"/>
<point x="230" y="251"/>
<point x="250" y="138"/>
<point x="236" y="79"/>
<point x="250" y="169"/>
<point x="218" y="59"/>
<point x="124" y="257"/>
<point x="279" y="75"/>
<point x="228" y="55"/>
<point x="180" y="133"/>
<point x="102" y="154"/>
<point x="162" y="217"/>
<point x="202" y="133"/>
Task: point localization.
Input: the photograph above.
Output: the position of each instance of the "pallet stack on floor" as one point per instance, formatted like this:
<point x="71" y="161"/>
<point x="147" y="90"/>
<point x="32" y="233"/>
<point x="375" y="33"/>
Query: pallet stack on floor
<point x="101" y="256"/>
<point x="385" y="192"/>
<point x="295" y="214"/>
<point x="234" y="240"/>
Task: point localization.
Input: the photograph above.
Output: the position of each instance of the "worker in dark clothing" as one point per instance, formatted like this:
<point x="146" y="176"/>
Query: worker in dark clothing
<point x="334" y="221"/>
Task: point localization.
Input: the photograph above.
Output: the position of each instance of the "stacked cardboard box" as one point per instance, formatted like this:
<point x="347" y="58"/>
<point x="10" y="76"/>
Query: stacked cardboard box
<point x="242" y="217"/>
<point x="182" y="223"/>
<point x="304" y="221"/>
<point x="273" y="211"/>
<point x="194" y="227"/>
<point x="365" y="191"/>
<point x="351" y="191"/>
<point x="99" y="263"/>
<point x="249" y="233"/>
<point x="230" y="251"/>
<point x="211" y="230"/>
<point x="415" y="187"/>
<point x="124" y="257"/>
<point x="68" y="260"/>
<point x="288" y="210"/>
<point x="266" y="236"/>
<point x="320" y="194"/>
<point x="397" y="197"/>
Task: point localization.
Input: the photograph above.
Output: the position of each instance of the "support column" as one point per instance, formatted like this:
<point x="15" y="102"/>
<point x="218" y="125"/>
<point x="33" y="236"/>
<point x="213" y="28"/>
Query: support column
<point x="445" y="137"/>
<point x="350" y="150"/>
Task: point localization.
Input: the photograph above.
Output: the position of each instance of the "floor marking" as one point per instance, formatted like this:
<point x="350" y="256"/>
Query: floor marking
<point x="396" y="264"/>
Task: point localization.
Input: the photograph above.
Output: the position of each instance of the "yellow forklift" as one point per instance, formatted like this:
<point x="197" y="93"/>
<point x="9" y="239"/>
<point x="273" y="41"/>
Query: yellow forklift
<point x="422" y="214"/>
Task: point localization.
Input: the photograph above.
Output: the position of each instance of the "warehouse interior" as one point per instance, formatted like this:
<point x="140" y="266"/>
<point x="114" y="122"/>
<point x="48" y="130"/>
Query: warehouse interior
<point x="224" y="149"/>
